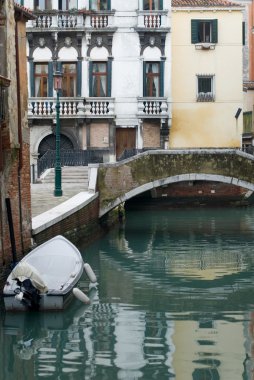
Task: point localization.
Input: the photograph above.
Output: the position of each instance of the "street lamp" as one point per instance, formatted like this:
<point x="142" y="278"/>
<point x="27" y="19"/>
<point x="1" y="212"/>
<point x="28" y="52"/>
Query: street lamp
<point x="58" y="170"/>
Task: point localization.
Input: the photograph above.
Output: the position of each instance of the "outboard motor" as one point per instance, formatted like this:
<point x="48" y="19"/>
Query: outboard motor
<point x="27" y="294"/>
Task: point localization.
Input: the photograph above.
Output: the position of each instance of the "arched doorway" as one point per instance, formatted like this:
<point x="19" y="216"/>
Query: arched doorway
<point x="49" y="143"/>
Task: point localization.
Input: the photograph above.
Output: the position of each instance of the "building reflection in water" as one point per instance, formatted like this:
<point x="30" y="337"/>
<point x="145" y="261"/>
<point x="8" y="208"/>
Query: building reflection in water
<point x="162" y="310"/>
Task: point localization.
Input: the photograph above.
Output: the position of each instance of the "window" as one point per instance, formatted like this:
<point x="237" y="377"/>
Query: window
<point x="152" y="5"/>
<point x="41" y="79"/>
<point x="65" y="5"/>
<point x="99" y="5"/>
<point x="205" y="90"/>
<point x="69" y="85"/>
<point x="42" y="5"/>
<point x="99" y="79"/>
<point x="152" y="79"/>
<point x="204" y="31"/>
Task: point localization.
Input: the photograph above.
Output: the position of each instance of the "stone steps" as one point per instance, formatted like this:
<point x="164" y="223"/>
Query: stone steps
<point x="70" y="174"/>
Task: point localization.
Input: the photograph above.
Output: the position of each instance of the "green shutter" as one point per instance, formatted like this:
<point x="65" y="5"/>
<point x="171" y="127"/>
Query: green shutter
<point x="50" y="79"/>
<point x="160" y="4"/>
<point x="90" y="79"/>
<point x="144" y="79"/>
<point x="109" y="76"/>
<point x="215" y="31"/>
<point x="161" y="94"/>
<point x="109" y="5"/>
<point x="194" y="31"/>
<point x="79" y="77"/>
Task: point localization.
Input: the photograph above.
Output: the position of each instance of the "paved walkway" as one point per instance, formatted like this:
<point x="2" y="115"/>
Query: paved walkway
<point x="43" y="199"/>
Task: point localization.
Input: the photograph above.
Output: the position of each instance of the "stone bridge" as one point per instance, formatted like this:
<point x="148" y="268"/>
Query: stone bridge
<point x="120" y="181"/>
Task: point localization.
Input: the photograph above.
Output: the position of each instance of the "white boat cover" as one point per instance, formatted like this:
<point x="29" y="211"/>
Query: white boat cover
<point x="23" y="271"/>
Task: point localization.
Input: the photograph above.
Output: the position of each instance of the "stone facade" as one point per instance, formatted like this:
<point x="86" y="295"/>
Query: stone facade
<point x="126" y="42"/>
<point x="15" y="197"/>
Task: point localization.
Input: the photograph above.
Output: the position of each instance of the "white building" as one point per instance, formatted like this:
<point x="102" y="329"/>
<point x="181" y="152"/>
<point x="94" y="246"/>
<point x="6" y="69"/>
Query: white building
<point x="115" y="57"/>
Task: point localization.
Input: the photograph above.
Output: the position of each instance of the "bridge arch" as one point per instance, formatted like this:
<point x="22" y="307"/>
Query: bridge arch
<point x="121" y="181"/>
<point x="175" y="179"/>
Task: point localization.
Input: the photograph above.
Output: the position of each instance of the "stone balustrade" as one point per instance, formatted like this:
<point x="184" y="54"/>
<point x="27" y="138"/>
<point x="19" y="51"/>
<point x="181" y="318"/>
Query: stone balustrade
<point x="153" y="19"/>
<point x="99" y="107"/>
<point x="152" y="107"/>
<point x="71" y="107"/>
<point x="54" y="20"/>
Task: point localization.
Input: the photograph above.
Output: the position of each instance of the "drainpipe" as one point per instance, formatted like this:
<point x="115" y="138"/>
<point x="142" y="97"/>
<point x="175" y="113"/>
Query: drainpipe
<point x="20" y="163"/>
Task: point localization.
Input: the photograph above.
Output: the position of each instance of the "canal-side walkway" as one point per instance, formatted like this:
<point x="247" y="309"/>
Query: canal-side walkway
<point x="48" y="209"/>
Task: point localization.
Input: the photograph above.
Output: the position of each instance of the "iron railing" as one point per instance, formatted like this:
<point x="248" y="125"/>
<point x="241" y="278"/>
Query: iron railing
<point x="71" y="158"/>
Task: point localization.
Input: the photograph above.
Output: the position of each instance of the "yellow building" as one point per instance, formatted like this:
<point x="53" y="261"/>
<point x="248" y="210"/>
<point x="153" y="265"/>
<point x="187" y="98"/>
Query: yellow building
<point x="207" y="74"/>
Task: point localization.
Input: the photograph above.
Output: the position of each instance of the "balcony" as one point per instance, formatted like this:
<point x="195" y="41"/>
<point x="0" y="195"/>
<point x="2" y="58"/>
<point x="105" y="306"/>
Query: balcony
<point x="100" y="20"/>
<point x="153" y="20"/>
<point x="100" y="107"/>
<point x="45" y="108"/>
<point x="53" y="20"/>
<point x="152" y="107"/>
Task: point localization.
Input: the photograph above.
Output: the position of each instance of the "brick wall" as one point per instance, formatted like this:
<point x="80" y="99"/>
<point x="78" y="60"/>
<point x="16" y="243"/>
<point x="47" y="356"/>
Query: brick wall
<point x="194" y="191"/>
<point x="151" y="135"/>
<point x="15" y="174"/>
<point x="83" y="225"/>
<point x="99" y="135"/>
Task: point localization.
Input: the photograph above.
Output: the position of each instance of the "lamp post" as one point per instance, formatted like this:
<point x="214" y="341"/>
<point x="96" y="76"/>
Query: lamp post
<point x="58" y="170"/>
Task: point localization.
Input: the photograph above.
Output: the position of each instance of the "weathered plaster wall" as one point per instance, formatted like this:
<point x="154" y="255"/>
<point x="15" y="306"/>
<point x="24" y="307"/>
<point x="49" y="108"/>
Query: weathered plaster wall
<point x="207" y="124"/>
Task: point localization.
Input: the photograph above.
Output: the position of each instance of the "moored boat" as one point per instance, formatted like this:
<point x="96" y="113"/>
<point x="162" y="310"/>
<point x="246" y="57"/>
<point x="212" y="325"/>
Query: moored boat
<point x="44" y="279"/>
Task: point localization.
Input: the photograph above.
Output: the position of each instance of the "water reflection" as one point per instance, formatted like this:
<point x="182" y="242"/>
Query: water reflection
<point x="174" y="300"/>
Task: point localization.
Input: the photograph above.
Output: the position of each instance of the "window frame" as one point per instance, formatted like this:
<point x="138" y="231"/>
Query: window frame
<point x="104" y="74"/>
<point x="150" y="5"/>
<point x="68" y="77"/>
<point x="148" y="76"/>
<point x="67" y="6"/>
<point x="42" y="76"/>
<point x="196" y="25"/>
<point x="99" y="2"/>
<point x="205" y="96"/>
<point x="41" y="5"/>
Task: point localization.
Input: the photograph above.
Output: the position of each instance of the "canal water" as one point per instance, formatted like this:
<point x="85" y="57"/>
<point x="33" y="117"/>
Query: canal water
<point x="174" y="300"/>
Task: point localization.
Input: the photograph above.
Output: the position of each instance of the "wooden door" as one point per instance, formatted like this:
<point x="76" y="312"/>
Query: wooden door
<point x="125" y="139"/>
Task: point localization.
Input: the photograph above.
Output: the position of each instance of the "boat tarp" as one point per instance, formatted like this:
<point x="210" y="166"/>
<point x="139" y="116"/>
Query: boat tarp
<point x="24" y="271"/>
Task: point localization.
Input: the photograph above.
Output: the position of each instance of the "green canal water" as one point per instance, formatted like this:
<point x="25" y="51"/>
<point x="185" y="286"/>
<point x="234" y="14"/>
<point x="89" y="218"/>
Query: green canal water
<point x="175" y="300"/>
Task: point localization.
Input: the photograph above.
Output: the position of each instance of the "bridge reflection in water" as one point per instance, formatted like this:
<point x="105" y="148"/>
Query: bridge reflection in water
<point x="174" y="300"/>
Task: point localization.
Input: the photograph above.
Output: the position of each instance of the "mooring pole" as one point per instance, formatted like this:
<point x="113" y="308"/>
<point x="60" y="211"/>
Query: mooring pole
<point x="11" y="230"/>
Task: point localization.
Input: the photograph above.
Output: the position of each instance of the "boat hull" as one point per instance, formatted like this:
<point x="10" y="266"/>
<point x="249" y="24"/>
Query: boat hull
<point x="47" y="302"/>
<point x="60" y="266"/>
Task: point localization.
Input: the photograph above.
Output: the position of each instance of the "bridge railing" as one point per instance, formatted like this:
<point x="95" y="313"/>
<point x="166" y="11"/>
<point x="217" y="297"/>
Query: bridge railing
<point x="127" y="153"/>
<point x="77" y="157"/>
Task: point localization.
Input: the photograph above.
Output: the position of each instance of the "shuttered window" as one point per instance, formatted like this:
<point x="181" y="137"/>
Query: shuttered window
<point x="205" y="88"/>
<point x="204" y="31"/>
